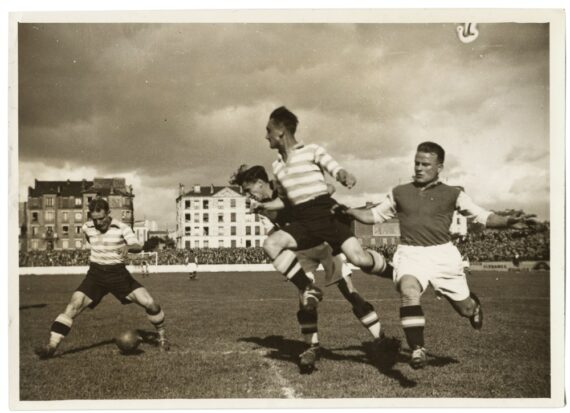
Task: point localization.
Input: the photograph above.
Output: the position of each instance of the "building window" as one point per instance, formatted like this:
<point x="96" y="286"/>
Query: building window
<point x="220" y="204"/>
<point x="196" y="217"/>
<point x="34" y="244"/>
<point x="247" y="230"/>
<point x="196" y="230"/>
<point x="248" y="244"/>
<point x="64" y="216"/>
<point x="77" y="230"/>
<point x="257" y="230"/>
<point x="206" y="218"/>
<point x="89" y="199"/>
<point x="78" y="202"/>
<point x="49" y="216"/>
<point x="221" y="243"/>
<point x="78" y="244"/>
<point x="187" y="204"/>
<point x="49" y="202"/>
<point x="65" y="230"/>
<point x="256" y="217"/>
<point x="205" y="204"/>
<point x="187" y="244"/>
<point x="65" y="244"/>
<point x="196" y="204"/>
<point x="187" y="231"/>
<point x="233" y="203"/>
<point x="234" y="243"/>
<point x="187" y="217"/>
<point x="79" y="216"/>
<point x="233" y="217"/>
<point x="35" y="217"/>
<point x="220" y="231"/>
<point x="206" y="243"/>
<point x="35" y="230"/>
<point x="233" y="231"/>
<point x="220" y="217"/>
<point x="257" y="243"/>
<point x="206" y="231"/>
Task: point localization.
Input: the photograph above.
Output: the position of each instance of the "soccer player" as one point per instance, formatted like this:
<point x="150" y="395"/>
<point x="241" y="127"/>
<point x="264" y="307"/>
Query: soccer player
<point x="111" y="241"/>
<point x="144" y="268"/>
<point x="299" y="171"/>
<point x="192" y="265"/>
<point x="256" y="184"/>
<point x="426" y="254"/>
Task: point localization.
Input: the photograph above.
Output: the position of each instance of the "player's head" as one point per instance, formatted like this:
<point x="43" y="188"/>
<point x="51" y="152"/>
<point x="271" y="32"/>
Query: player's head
<point x="281" y="122"/>
<point x="428" y="162"/>
<point x="254" y="181"/>
<point x="99" y="212"/>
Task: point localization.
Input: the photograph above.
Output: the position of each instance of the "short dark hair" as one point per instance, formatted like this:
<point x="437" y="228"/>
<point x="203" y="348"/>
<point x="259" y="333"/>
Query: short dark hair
<point x="247" y="174"/>
<point x="285" y="117"/>
<point x="98" y="204"/>
<point x="432" y="147"/>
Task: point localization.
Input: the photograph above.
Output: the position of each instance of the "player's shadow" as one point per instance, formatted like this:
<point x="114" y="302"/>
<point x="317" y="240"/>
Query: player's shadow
<point x="289" y="350"/>
<point x="85" y="348"/>
<point x="26" y="307"/>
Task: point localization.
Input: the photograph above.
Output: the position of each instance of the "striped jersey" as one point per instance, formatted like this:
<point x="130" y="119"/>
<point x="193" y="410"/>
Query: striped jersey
<point x="106" y="248"/>
<point x="302" y="175"/>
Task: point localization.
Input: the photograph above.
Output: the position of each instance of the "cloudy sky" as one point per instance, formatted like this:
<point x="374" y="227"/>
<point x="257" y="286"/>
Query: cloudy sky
<point x="162" y="104"/>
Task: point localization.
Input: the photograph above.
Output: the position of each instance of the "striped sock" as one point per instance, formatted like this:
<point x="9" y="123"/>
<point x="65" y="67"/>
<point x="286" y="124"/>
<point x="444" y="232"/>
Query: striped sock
<point x="288" y="265"/>
<point x="366" y="314"/>
<point x="309" y="328"/>
<point x="59" y="329"/>
<point x="413" y="322"/>
<point x="157" y="320"/>
<point x="379" y="263"/>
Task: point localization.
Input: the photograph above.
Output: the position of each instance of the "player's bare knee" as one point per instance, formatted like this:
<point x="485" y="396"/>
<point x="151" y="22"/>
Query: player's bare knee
<point x="77" y="303"/>
<point x="410" y="291"/>
<point x="272" y="246"/>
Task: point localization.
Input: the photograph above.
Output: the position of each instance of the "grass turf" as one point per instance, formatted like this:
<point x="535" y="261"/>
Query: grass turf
<point x="236" y="336"/>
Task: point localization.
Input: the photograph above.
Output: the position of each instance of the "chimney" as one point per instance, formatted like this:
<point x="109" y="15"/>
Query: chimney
<point x="197" y="189"/>
<point x="180" y="189"/>
<point x="83" y="183"/>
<point x="59" y="189"/>
<point x="211" y="188"/>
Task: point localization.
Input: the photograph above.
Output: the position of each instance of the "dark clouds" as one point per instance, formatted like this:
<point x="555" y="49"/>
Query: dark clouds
<point x="189" y="102"/>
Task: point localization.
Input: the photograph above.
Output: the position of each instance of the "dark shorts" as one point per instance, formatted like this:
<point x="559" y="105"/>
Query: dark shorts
<point x="102" y="280"/>
<point x="313" y="223"/>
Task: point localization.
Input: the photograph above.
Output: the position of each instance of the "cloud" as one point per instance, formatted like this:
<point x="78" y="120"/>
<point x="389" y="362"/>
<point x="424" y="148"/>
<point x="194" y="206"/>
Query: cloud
<point x="170" y="103"/>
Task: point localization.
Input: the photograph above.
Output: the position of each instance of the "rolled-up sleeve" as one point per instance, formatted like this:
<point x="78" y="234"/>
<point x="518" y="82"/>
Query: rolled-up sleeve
<point x="470" y="209"/>
<point x="385" y="210"/>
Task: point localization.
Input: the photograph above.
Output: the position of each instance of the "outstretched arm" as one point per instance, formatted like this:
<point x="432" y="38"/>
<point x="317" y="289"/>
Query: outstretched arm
<point x="510" y="221"/>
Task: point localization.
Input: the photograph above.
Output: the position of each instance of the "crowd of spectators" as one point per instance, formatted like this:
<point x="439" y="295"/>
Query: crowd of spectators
<point x="486" y="245"/>
<point x="503" y="245"/>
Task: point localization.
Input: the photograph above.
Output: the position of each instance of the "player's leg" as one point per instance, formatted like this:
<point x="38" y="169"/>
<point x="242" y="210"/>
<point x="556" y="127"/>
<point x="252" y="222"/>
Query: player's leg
<point x="369" y="261"/>
<point x="308" y="320"/>
<point x="412" y="318"/>
<point x="452" y="284"/>
<point x="61" y="327"/>
<point x="278" y="246"/>
<point x="154" y="312"/>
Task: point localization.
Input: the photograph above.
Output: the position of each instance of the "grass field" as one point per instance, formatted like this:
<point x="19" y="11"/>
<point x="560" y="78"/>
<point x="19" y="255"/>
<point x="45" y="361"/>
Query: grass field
<point x="236" y="336"/>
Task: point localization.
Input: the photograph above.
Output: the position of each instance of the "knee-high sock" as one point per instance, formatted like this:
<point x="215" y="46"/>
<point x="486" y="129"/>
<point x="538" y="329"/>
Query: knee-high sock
<point x="413" y="322"/>
<point x="59" y="329"/>
<point x="309" y="328"/>
<point x="288" y="265"/>
<point x="157" y="320"/>
<point x="379" y="264"/>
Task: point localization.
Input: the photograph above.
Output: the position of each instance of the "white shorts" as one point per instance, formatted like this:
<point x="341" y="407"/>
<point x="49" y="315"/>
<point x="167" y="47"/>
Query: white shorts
<point x="192" y="267"/>
<point x="438" y="265"/>
<point x="321" y="254"/>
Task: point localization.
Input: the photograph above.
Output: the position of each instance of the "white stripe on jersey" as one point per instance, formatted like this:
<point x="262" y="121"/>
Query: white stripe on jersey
<point x="107" y="248"/>
<point x="302" y="175"/>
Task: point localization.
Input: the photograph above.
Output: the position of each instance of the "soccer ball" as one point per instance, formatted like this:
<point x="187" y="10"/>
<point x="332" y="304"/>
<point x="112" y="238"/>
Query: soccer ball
<point x="128" y="341"/>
